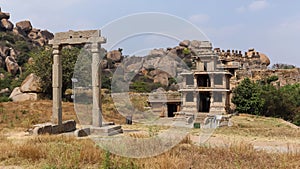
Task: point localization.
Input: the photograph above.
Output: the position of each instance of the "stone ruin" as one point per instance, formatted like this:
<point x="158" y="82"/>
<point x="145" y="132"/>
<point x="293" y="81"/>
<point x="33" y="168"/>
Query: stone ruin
<point x="92" y="37"/>
<point x="247" y="60"/>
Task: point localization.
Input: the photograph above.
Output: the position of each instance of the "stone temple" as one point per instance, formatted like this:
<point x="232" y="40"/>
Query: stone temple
<point x="206" y="89"/>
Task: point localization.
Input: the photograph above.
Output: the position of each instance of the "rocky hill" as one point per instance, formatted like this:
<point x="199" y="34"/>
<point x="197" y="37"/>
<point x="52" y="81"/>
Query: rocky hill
<point x="16" y="39"/>
<point x="160" y="68"/>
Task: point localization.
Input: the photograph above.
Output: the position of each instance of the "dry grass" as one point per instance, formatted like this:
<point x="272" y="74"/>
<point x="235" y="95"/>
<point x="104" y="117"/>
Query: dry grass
<point x="255" y="126"/>
<point x="68" y="152"/>
<point x="26" y="114"/>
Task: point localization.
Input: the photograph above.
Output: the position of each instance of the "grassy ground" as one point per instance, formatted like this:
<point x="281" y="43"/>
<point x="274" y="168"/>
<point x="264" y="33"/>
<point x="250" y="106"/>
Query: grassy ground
<point x="237" y="150"/>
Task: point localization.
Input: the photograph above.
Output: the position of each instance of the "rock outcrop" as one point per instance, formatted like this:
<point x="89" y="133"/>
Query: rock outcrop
<point x="37" y="36"/>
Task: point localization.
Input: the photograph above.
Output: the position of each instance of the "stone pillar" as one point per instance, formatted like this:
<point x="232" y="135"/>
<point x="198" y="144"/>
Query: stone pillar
<point x="212" y="80"/>
<point x="195" y="97"/>
<point x="195" y="81"/>
<point x="57" y="85"/>
<point x="96" y="84"/>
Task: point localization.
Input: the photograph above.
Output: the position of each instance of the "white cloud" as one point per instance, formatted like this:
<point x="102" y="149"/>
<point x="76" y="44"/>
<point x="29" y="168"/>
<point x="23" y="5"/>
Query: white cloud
<point x="256" y="5"/>
<point x="199" y="18"/>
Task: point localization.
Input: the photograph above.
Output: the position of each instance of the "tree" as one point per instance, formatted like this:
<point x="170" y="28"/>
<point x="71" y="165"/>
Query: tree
<point x="42" y="67"/>
<point x="276" y="103"/>
<point x="247" y="97"/>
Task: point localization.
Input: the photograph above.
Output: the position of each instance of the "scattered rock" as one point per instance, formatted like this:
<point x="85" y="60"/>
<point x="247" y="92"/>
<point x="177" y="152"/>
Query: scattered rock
<point x="4" y="91"/>
<point x="2" y="76"/>
<point x="30" y="61"/>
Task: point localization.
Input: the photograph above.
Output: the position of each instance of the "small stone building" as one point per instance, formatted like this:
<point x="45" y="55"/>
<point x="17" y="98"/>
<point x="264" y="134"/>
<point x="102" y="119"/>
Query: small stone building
<point x="206" y="88"/>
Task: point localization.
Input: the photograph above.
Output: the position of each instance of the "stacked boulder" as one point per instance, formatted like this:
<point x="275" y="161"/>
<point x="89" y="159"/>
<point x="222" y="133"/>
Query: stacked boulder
<point x="37" y="36"/>
<point x="5" y="24"/>
<point x="28" y="90"/>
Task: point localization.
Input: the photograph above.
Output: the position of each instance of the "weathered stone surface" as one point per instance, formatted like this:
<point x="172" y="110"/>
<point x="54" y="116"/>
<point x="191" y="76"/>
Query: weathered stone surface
<point x="104" y="64"/>
<point x="33" y="35"/>
<point x="162" y="78"/>
<point x="107" y="130"/>
<point x="46" y="34"/>
<point x="82" y="132"/>
<point x="11" y="65"/>
<point x="2" y="63"/>
<point x="4" y="91"/>
<point x="157" y="52"/>
<point x="24" y="26"/>
<point x="44" y="129"/>
<point x="195" y="44"/>
<point x="4" y="15"/>
<point x="30" y="61"/>
<point x="18" y="96"/>
<point x="69" y="125"/>
<point x="6" y="24"/>
<point x="4" y="51"/>
<point x="2" y="76"/>
<point x="31" y="84"/>
<point x="57" y="129"/>
<point x="114" y="55"/>
<point x="264" y="59"/>
<point x="185" y="43"/>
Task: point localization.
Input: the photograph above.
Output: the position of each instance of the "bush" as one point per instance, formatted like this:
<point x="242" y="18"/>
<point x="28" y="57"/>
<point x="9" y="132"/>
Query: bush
<point x="267" y="100"/>
<point x="42" y="67"/>
<point x="247" y="98"/>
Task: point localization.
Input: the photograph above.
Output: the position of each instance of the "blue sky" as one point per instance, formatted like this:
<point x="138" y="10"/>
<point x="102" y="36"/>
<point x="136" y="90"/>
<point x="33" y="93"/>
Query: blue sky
<point x="271" y="27"/>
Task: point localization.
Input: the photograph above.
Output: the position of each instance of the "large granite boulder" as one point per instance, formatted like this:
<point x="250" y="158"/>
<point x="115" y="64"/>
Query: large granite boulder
<point x="31" y="84"/>
<point x="114" y="55"/>
<point x="185" y="43"/>
<point x="18" y="96"/>
<point x="157" y="52"/>
<point x="162" y="78"/>
<point x="46" y="34"/>
<point x="264" y="59"/>
<point x="4" y="15"/>
<point x="24" y="27"/>
<point x="6" y="24"/>
<point x="11" y="65"/>
<point x="4" y="51"/>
